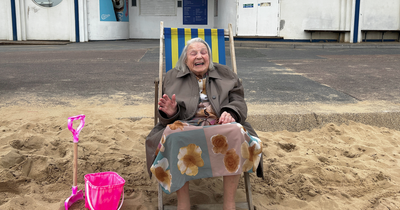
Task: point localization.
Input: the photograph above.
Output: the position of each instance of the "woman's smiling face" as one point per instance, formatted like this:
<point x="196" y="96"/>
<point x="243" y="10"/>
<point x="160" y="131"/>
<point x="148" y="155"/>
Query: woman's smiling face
<point x="197" y="58"/>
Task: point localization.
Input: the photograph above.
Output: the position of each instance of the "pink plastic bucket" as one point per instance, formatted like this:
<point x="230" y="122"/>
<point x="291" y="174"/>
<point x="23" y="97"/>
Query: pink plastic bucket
<point x="103" y="190"/>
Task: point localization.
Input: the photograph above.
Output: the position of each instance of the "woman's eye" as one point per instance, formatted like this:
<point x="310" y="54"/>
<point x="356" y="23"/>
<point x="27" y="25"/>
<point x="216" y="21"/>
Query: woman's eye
<point x="203" y="52"/>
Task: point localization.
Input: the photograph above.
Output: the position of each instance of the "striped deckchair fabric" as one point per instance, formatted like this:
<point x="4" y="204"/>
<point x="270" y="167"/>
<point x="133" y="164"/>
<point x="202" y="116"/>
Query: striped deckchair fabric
<point x="176" y="38"/>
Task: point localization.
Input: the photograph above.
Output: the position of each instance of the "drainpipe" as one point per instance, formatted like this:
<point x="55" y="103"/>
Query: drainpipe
<point x="356" y="21"/>
<point x="76" y="21"/>
<point x="14" y="20"/>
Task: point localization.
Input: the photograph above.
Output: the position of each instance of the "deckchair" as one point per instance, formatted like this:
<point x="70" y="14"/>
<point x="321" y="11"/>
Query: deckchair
<point x="174" y="40"/>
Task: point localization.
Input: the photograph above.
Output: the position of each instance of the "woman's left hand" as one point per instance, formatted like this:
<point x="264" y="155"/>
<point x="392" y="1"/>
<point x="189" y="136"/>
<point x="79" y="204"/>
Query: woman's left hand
<point x="226" y="118"/>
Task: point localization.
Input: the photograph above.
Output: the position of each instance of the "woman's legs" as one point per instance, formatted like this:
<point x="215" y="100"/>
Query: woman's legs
<point x="183" y="197"/>
<point x="230" y="185"/>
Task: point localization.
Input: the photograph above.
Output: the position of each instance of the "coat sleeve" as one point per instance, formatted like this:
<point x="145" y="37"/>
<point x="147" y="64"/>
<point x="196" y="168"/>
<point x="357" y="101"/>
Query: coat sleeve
<point x="236" y="102"/>
<point x="163" y="119"/>
<point x="152" y="141"/>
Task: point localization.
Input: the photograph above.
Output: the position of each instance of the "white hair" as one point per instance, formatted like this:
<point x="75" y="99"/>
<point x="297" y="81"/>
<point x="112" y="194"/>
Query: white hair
<point x="181" y="64"/>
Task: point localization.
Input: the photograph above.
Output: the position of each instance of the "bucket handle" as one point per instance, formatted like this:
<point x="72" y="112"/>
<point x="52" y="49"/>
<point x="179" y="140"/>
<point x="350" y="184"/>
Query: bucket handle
<point x="88" y="198"/>
<point x="76" y="132"/>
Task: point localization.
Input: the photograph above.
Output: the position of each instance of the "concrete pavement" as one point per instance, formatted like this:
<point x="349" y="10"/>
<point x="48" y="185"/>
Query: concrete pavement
<point x="255" y="44"/>
<point x="288" y="86"/>
<point x="7" y="42"/>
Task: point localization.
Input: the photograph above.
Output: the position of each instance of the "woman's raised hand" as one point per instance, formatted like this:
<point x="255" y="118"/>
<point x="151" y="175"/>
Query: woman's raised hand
<point x="226" y="118"/>
<point x="168" y="105"/>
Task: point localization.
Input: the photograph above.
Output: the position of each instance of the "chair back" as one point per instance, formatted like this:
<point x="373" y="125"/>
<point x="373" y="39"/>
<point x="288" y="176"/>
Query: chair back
<point x="175" y="40"/>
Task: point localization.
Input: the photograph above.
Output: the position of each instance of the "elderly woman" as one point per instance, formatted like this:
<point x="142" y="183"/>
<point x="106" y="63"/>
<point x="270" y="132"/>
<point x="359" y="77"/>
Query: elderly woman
<point x="202" y="127"/>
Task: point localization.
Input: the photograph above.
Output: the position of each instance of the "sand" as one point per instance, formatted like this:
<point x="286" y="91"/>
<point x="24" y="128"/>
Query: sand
<point x="348" y="166"/>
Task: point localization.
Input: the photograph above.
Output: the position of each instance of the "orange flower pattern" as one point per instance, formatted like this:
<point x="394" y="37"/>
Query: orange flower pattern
<point x="252" y="154"/>
<point x="160" y="147"/>
<point x="190" y="160"/>
<point x="242" y="129"/>
<point x="161" y="173"/>
<point x="206" y="152"/>
<point x="232" y="161"/>
<point x="220" y="144"/>
<point x="162" y="142"/>
<point x="177" y="124"/>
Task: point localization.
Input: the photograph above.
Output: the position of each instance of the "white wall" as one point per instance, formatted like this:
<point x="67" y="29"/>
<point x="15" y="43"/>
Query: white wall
<point x="227" y="14"/>
<point x="145" y="26"/>
<point x="58" y="23"/>
<point x="380" y="15"/>
<point x="5" y="21"/>
<point x="296" y="16"/>
<point x="35" y="22"/>
<point x="104" y="30"/>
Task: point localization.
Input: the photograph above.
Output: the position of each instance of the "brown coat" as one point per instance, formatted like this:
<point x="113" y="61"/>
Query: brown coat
<point x="224" y="91"/>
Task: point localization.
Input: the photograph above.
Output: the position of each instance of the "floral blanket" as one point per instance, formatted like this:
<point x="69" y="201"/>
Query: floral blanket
<point x="188" y="152"/>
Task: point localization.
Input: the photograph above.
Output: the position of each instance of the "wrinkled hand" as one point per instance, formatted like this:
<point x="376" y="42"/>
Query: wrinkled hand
<point x="226" y="118"/>
<point x="167" y="105"/>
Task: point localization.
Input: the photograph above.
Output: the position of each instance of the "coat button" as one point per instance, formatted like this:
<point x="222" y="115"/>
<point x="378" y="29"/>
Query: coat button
<point x="214" y="97"/>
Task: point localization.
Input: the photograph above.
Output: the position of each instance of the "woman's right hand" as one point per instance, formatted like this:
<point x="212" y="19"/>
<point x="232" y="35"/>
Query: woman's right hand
<point x="168" y="105"/>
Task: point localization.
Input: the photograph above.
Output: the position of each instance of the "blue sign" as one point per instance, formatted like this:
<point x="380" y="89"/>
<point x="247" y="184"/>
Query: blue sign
<point x="248" y="5"/>
<point x="195" y="12"/>
<point x="114" y="10"/>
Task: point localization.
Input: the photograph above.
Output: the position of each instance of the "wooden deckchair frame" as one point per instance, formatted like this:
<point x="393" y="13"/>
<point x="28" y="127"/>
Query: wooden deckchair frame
<point x="158" y="90"/>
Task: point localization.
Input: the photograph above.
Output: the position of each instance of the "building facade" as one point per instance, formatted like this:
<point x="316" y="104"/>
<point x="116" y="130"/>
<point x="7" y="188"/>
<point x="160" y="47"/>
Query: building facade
<point x="289" y="20"/>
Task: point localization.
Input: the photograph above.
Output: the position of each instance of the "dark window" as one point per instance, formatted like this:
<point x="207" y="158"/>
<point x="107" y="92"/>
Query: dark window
<point x="47" y="3"/>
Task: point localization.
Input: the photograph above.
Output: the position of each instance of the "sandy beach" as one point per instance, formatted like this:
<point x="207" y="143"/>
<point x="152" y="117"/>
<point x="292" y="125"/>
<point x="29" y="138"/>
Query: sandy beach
<point x="347" y="166"/>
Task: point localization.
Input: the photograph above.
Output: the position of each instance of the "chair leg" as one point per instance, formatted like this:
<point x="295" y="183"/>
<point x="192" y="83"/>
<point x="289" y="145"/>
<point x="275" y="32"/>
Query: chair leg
<point x="156" y="81"/>
<point x="248" y="190"/>
<point x="160" y="198"/>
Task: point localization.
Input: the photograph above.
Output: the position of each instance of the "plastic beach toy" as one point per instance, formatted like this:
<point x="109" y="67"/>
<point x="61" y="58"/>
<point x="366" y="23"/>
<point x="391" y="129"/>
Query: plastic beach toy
<point x="103" y="191"/>
<point x="76" y="195"/>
